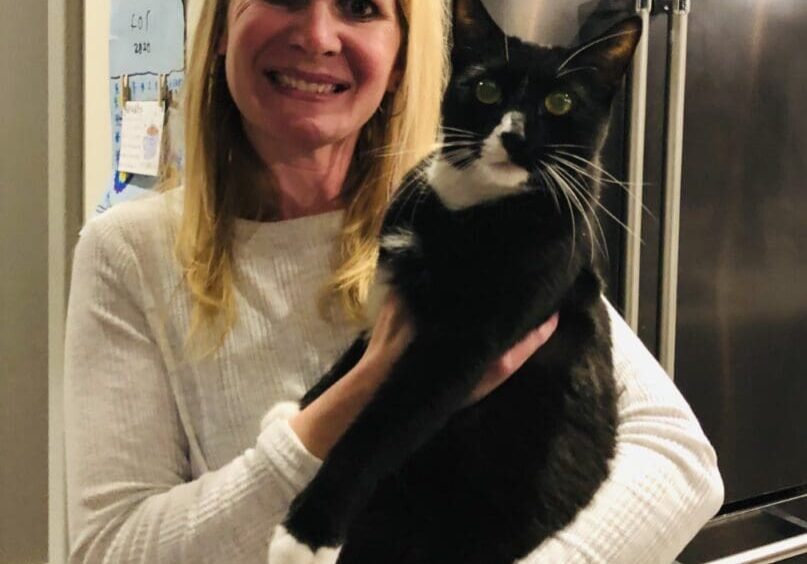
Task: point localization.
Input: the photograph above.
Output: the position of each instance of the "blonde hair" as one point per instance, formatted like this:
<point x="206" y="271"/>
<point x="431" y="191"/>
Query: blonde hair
<point x="220" y="162"/>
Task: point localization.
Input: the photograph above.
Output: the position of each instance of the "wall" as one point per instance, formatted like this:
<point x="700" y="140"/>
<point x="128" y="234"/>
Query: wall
<point x="97" y="145"/>
<point x="24" y="283"/>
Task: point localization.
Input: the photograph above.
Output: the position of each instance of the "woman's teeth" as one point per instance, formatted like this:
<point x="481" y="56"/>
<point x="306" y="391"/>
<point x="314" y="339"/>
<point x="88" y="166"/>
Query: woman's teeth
<point x="304" y="85"/>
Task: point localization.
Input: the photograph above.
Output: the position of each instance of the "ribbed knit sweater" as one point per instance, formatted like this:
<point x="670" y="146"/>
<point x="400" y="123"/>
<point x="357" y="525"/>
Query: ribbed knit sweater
<point x="166" y="460"/>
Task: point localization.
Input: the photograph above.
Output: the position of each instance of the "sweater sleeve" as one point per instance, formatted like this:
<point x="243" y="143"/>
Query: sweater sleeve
<point x="664" y="483"/>
<point x="130" y="493"/>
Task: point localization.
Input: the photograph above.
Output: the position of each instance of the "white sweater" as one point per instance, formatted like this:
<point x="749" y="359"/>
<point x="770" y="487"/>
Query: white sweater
<point x="166" y="461"/>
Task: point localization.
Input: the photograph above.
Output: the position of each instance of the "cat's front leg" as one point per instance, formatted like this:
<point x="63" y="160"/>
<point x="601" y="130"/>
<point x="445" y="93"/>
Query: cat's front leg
<point x="424" y="388"/>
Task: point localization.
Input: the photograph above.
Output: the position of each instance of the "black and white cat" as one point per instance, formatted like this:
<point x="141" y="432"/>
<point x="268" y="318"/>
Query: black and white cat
<point x="486" y="239"/>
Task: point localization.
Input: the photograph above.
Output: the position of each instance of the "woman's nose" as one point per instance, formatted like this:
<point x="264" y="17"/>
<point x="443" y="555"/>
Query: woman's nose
<point x="316" y="29"/>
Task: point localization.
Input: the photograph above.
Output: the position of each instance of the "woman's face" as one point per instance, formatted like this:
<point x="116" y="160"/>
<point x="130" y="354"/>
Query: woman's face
<point x="308" y="73"/>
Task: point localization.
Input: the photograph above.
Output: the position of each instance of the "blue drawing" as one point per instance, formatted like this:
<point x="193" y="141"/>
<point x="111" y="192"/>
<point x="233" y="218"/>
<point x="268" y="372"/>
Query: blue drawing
<point x="147" y="40"/>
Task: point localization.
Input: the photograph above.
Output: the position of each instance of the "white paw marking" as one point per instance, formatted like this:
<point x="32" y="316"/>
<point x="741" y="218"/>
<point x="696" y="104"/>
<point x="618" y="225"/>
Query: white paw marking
<point x="282" y="410"/>
<point x="285" y="549"/>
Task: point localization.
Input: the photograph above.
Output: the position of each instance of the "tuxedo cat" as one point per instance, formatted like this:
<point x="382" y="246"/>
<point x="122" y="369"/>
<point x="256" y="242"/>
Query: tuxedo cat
<point x="485" y="240"/>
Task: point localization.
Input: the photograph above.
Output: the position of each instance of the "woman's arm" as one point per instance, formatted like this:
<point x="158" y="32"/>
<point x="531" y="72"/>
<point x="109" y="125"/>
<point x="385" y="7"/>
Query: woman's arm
<point x="130" y="493"/>
<point x="664" y="483"/>
<point x="320" y="425"/>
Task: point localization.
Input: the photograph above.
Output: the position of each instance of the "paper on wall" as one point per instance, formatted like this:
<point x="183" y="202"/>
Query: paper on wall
<point x="147" y="39"/>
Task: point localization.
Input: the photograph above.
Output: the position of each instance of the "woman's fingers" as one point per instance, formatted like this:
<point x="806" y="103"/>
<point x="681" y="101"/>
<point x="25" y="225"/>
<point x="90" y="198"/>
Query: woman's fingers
<point x="524" y="349"/>
<point x="392" y="333"/>
<point x="513" y="359"/>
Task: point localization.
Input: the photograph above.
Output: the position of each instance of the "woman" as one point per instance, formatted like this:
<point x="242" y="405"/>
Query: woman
<point x="193" y="312"/>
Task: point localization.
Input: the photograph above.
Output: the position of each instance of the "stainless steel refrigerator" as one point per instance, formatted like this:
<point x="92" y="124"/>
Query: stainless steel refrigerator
<point x="711" y="133"/>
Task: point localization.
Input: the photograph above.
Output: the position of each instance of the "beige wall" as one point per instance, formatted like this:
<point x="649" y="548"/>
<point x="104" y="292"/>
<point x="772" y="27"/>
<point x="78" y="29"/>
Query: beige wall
<point x="97" y="145"/>
<point x="192" y="9"/>
<point x="24" y="281"/>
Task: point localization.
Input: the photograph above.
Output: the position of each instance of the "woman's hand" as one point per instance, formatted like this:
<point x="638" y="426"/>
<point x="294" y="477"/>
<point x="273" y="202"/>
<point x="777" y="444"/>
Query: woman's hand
<point x="324" y="421"/>
<point x="394" y="331"/>
<point x="511" y="361"/>
<point x="320" y="425"/>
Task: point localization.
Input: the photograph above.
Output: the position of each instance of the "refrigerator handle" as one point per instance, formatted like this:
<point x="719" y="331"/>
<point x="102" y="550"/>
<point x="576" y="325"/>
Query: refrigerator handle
<point x="676" y="89"/>
<point x="774" y="552"/>
<point x="636" y="147"/>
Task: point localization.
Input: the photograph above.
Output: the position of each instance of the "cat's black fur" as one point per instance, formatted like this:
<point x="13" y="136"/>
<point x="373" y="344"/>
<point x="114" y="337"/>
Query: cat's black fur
<point x="418" y="479"/>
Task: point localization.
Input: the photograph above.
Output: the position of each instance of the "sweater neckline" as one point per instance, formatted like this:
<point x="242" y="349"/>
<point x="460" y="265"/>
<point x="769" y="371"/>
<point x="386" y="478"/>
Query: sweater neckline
<point x="319" y="227"/>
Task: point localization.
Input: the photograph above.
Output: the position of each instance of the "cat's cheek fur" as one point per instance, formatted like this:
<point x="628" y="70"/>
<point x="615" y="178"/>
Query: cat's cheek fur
<point x="285" y="549"/>
<point x="490" y="177"/>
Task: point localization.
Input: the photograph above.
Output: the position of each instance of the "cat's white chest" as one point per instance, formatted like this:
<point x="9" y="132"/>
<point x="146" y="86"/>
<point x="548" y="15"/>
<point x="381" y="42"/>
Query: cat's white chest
<point x="493" y="175"/>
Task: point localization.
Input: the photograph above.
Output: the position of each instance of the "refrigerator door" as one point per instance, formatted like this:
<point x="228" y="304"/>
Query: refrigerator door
<point x="741" y="348"/>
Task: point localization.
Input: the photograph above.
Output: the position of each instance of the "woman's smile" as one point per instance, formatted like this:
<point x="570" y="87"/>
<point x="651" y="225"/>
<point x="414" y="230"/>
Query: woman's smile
<point x="306" y="85"/>
<point x="309" y="74"/>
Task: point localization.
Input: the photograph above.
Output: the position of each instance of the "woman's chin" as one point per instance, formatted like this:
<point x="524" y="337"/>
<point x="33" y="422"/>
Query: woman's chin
<point x="307" y="135"/>
<point x="311" y="137"/>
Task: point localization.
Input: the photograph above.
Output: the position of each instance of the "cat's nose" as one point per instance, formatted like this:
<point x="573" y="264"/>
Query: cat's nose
<point x="513" y="142"/>
<point x="517" y="149"/>
<point x="513" y="123"/>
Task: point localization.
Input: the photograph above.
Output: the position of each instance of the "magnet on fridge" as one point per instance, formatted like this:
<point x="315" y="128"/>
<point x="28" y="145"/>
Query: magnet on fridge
<point x="125" y="93"/>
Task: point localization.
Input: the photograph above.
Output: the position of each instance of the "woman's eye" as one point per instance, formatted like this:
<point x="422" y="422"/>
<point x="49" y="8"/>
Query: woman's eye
<point x="559" y="103"/>
<point x="360" y="9"/>
<point x="488" y="92"/>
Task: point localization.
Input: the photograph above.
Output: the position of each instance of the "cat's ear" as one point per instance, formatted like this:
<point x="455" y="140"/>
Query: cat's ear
<point x="473" y="27"/>
<point x="611" y="53"/>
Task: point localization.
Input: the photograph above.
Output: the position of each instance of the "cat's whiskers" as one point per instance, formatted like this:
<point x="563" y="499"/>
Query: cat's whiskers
<point x="382" y="152"/>
<point x="416" y="178"/>
<point x="388" y="151"/>
<point x="423" y="194"/>
<point x="580" y="189"/>
<point x="609" y="178"/>
<point x="579" y="202"/>
<point x="559" y="184"/>
<point x="459" y="135"/>
<point x="402" y="189"/>
<point x="582" y="175"/>
<point x="458" y="130"/>
<point x="454" y="144"/>
<point x="460" y="158"/>
<point x="547" y="183"/>
<point x="597" y="203"/>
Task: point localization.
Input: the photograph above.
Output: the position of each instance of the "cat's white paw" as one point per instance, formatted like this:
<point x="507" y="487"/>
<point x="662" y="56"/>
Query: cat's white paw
<point x="282" y="410"/>
<point x="285" y="549"/>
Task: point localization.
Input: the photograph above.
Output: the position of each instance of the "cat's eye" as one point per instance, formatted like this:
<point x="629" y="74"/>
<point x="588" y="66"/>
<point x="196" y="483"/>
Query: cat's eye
<point x="559" y="103"/>
<point x="488" y="92"/>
